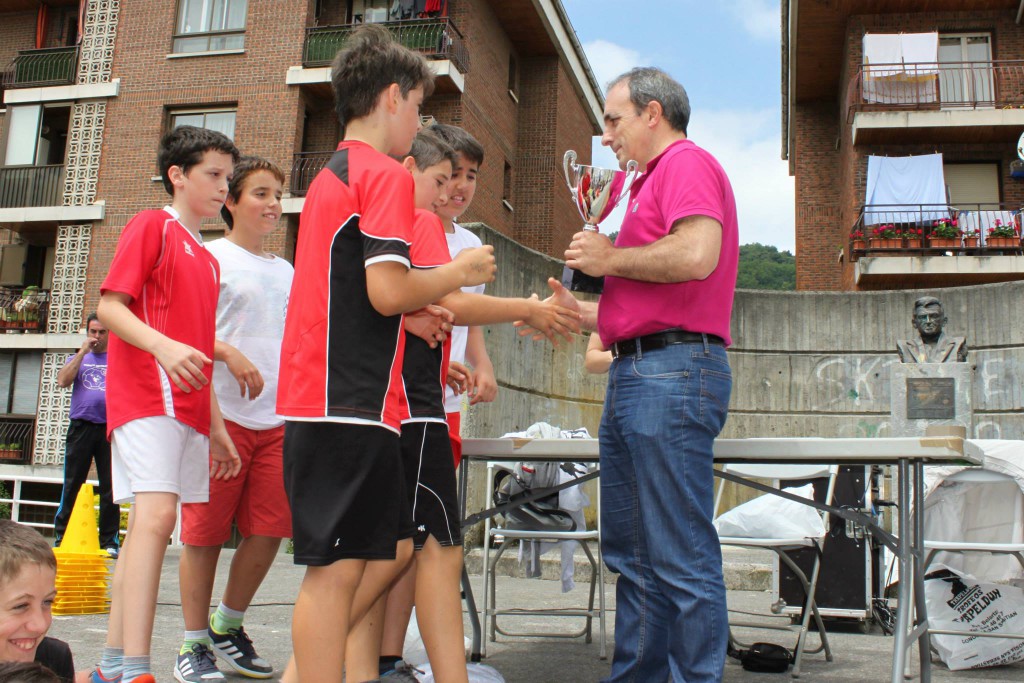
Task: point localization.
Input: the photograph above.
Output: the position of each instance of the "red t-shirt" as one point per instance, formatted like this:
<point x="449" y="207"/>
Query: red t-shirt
<point x="173" y="283"/>
<point x="425" y="369"/>
<point x="682" y="181"/>
<point x="341" y="360"/>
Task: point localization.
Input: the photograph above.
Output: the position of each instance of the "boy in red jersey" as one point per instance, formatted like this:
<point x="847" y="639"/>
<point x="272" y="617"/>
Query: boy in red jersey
<point x="342" y="351"/>
<point x="426" y="450"/>
<point x="159" y="301"/>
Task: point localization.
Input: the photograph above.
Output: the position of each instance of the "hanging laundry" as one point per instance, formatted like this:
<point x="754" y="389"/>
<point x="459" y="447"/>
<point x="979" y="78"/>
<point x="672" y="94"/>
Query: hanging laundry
<point x="432" y="6"/>
<point x="897" y="187"/>
<point x="901" y="68"/>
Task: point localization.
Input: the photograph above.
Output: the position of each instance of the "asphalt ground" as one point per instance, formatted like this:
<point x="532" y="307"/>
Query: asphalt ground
<point x="858" y="656"/>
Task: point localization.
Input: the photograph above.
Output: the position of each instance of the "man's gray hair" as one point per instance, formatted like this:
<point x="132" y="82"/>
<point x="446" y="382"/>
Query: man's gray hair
<point x="928" y="301"/>
<point x="647" y="84"/>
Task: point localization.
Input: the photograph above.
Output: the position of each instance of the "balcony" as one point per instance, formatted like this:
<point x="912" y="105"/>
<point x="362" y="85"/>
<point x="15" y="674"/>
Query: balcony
<point x="937" y="102"/>
<point x="24" y="309"/>
<point x="920" y="256"/>
<point x="31" y="186"/>
<point x="439" y="40"/>
<point x="305" y="166"/>
<point x="46" y="67"/>
<point x="16" y="435"/>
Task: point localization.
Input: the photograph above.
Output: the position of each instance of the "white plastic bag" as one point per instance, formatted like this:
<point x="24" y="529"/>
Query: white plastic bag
<point x="478" y="673"/>
<point x="773" y="517"/>
<point x="962" y="603"/>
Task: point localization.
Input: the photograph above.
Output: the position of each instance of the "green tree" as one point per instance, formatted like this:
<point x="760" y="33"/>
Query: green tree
<point x="765" y="267"/>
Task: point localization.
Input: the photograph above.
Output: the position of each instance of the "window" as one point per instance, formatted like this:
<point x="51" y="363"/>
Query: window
<point x="19" y="381"/>
<point x="220" y="120"/>
<point x="38" y="134"/>
<point x="506" y="190"/>
<point x="513" y="77"/>
<point x="965" y="70"/>
<point x="210" y="25"/>
<point x="976" y="184"/>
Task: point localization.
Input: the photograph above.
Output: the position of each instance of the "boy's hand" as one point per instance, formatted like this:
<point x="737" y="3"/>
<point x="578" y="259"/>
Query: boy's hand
<point x="431" y="324"/>
<point x="224" y="460"/>
<point x="560" y="296"/>
<point x="183" y="364"/>
<point x="486" y="387"/>
<point x="549" y="319"/>
<point x="245" y="373"/>
<point x="460" y="378"/>
<point x="477" y="265"/>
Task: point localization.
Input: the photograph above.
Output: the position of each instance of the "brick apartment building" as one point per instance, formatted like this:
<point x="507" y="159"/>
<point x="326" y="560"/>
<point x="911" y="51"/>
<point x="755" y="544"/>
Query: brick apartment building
<point x="899" y="80"/>
<point x="89" y="87"/>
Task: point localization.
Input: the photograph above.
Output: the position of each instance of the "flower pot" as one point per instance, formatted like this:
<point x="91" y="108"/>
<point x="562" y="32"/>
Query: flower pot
<point x="944" y="242"/>
<point x="886" y="243"/>
<point x="971" y="242"/>
<point x="915" y="243"/>
<point x="859" y="245"/>
<point x="1003" y="242"/>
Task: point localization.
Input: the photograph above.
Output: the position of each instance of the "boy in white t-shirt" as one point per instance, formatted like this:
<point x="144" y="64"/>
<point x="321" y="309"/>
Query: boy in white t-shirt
<point x="254" y="290"/>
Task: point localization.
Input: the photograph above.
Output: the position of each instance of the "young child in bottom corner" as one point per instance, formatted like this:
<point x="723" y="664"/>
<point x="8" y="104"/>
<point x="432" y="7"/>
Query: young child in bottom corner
<point x="432" y="580"/>
<point x="159" y="301"/>
<point x="28" y="572"/>
<point x="254" y="288"/>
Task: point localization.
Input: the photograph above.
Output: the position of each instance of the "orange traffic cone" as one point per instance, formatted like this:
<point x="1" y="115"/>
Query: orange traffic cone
<point x="83" y="570"/>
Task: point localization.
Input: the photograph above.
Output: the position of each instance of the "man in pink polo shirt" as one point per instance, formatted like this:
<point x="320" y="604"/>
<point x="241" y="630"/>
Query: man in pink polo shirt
<point x="664" y="314"/>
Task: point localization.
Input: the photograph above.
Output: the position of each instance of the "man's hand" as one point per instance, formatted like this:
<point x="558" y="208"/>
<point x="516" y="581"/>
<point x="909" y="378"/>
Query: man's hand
<point x="549" y="319"/>
<point x="460" y="378"/>
<point x="88" y="345"/>
<point x="245" y="373"/>
<point x="224" y="460"/>
<point x="486" y="387"/>
<point x="477" y="265"/>
<point x="431" y="324"/>
<point x="590" y="252"/>
<point x="182" y="363"/>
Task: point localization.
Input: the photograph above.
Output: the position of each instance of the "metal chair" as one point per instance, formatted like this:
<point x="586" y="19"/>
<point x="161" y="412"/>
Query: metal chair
<point x="780" y="546"/>
<point x="490" y="608"/>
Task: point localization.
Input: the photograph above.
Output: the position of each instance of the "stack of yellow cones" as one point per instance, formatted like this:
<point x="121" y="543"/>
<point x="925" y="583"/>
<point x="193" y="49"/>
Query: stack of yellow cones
<point x="83" y="569"/>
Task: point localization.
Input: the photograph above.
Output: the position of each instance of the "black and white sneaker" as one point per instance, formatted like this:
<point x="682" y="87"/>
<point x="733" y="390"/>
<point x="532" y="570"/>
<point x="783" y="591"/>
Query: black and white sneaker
<point x="236" y="648"/>
<point x="402" y="671"/>
<point x="198" y="665"/>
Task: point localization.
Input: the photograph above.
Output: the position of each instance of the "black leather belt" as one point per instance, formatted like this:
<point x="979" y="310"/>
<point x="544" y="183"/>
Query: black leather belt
<point x="659" y="340"/>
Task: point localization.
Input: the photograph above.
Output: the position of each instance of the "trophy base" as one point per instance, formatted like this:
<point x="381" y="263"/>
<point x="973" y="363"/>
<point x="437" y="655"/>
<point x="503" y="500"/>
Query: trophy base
<point x="578" y="281"/>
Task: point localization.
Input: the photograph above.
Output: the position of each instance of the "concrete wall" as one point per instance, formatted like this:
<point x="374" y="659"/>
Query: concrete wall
<point x="804" y="363"/>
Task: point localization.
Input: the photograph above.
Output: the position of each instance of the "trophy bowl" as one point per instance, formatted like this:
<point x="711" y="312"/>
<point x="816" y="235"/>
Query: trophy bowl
<point x="596" y="192"/>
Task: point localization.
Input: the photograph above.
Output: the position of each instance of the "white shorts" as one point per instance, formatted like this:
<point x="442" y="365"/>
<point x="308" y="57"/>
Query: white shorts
<point x="160" y="454"/>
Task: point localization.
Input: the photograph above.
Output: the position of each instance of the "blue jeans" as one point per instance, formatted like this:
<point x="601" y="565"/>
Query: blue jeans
<point x="662" y="412"/>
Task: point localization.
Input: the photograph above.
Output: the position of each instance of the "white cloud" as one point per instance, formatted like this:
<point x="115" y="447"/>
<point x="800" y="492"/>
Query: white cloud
<point x="760" y="18"/>
<point x="609" y="60"/>
<point x="747" y="145"/>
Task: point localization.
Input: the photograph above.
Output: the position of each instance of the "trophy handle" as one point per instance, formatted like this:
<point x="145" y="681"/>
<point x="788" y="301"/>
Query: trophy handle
<point x="569" y="160"/>
<point x="632" y="173"/>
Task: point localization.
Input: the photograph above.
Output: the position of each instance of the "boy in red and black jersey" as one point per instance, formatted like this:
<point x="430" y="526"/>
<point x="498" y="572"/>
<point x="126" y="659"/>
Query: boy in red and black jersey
<point x="343" y="348"/>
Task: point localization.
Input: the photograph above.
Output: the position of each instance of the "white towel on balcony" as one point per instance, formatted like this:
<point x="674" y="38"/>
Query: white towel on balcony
<point x="914" y="81"/>
<point x="921" y="50"/>
<point x="905" y="183"/>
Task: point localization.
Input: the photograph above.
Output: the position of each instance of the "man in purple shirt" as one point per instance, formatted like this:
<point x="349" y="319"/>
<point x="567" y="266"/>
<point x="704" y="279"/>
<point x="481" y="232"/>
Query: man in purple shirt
<point x="86" y="372"/>
<point x="664" y="314"/>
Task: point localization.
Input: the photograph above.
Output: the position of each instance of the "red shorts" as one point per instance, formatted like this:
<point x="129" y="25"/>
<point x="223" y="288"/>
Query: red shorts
<point x="255" y="499"/>
<point x="455" y="436"/>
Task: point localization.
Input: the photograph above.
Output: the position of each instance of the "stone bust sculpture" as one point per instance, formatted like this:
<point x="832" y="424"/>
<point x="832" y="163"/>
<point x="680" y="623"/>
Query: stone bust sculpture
<point x="934" y="346"/>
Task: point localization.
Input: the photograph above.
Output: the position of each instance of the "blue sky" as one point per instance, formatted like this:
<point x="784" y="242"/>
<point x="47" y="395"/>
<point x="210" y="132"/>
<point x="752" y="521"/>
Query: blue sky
<point x="726" y="55"/>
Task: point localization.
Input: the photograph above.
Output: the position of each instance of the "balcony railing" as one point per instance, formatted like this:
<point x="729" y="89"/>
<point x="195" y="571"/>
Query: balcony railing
<point x="16" y="434"/>
<point x="974" y="221"/>
<point x="24" y="309"/>
<point x="31" y="186"/>
<point x="934" y="86"/>
<point x="49" y="66"/>
<point x="305" y="166"/>
<point x="434" y="38"/>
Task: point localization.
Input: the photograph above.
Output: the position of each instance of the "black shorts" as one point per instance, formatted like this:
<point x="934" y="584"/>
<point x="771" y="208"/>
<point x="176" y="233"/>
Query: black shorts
<point x="346" y="490"/>
<point x="430" y="477"/>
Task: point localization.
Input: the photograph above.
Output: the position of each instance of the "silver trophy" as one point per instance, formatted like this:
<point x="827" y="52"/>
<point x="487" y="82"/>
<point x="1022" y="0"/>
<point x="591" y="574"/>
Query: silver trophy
<point x="596" y="192"/>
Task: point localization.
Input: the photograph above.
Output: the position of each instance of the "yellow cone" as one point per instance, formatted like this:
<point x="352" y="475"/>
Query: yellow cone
<point x="82" y="534"/>
<point x="83" y="570"/>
